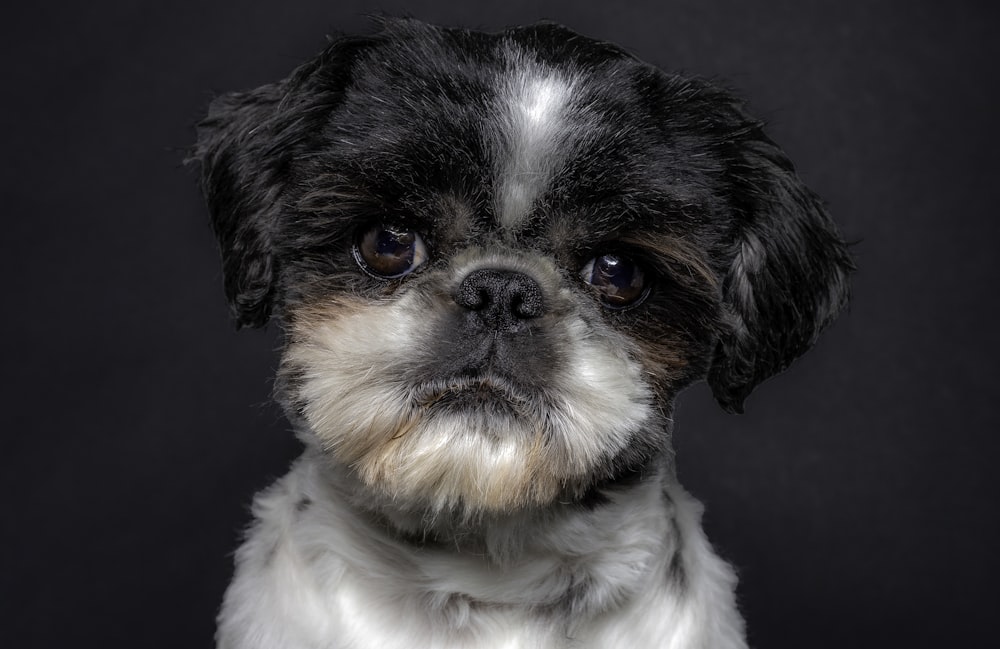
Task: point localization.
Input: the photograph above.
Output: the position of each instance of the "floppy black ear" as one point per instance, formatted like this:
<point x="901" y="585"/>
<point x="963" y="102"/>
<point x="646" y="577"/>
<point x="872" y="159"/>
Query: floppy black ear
<point x="788" y="277"/>
<point x="242" y="177"/>
<point x="246" y="147"/>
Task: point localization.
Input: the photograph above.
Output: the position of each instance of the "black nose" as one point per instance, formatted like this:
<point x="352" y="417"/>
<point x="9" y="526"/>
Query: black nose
<point x="503" y="299"/>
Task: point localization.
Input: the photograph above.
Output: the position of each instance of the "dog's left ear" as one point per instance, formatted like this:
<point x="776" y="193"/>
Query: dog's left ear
<point x="788" y="275"/>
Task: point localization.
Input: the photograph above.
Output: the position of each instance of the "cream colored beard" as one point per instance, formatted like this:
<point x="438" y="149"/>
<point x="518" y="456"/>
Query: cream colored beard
<point x="368" y="419"/>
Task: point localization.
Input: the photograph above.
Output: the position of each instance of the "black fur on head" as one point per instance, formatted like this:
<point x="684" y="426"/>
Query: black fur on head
<point x="764" y="268"/>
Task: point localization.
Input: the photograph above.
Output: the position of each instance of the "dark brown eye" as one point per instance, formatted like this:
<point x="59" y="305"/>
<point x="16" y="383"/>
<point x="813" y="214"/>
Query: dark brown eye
<point x="620" y="281"/>
<point x="389" y="251"/>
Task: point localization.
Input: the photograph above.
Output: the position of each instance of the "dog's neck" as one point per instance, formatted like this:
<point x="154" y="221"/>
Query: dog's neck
<point x="633" y="568"/>
<point x="501" y="538"/>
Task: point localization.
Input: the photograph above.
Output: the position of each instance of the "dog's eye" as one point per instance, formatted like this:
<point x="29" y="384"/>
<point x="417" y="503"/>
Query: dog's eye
<point x="620" y="281"/>
<point x="389" y="251"/>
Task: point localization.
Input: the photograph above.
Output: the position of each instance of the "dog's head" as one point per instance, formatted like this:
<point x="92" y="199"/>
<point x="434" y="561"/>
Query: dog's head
<point x="499" y="257"/>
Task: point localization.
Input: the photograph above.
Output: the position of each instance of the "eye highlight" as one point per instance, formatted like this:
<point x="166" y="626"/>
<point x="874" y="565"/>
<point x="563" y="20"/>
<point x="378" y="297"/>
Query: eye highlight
<point x="619" y="280"/>
<point x="389" y="251"/>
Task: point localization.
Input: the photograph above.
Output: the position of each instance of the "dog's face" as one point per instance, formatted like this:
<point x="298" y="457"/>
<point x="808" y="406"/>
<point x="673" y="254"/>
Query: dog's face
<point x="498" y="258"/>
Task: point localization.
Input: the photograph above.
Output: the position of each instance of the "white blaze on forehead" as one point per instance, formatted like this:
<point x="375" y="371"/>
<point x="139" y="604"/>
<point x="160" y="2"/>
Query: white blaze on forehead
<point x="532" y="132"/>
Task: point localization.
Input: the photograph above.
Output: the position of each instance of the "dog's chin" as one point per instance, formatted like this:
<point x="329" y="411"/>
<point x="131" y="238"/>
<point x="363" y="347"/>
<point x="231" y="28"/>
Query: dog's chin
<point x="474" y="447"/>
<point x="474" y="450"/>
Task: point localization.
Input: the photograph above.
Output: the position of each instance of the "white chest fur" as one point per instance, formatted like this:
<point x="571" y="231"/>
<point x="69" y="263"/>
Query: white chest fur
<point x="636" y="572"/>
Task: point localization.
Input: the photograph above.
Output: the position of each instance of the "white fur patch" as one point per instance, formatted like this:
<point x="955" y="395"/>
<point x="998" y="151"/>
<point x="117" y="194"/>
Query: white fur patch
<point x="323" y="576"/>
<point x="533" y="131"/>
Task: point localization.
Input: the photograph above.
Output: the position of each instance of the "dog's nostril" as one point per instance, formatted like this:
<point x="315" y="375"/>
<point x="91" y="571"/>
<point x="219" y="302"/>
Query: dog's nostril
<point x="527" y="304"/>
<point x="502" y="297"/>
<point x="483" y="300"/>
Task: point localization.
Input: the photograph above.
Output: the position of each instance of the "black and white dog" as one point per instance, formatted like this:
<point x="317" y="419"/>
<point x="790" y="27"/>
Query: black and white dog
<point x="497" y="259"/>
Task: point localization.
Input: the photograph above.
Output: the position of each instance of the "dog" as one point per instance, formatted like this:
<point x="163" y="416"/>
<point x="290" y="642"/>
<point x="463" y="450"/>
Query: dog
<point x="497" y="258"/>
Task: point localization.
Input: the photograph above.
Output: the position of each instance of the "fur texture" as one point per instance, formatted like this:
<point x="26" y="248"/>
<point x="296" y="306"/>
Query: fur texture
<point x="497" y="259"/>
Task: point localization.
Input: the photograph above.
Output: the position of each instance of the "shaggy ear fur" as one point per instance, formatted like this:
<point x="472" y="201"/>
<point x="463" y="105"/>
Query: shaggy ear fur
<point x="242" y="175"/>
<point x="246" y="146"/>
<point x="789" y="273"/>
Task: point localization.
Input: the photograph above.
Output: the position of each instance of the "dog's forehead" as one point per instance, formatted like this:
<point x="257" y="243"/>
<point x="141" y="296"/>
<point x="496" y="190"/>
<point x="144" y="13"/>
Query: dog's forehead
<point x="507" y="124"/>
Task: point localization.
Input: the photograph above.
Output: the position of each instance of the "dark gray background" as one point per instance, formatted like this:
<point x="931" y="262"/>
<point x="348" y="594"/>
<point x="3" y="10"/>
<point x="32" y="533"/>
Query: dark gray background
<point x="857" y="496"/>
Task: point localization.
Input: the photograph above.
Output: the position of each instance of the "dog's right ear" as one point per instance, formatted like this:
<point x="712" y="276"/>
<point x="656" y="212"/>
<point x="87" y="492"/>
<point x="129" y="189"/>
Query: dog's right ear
<point x="242" y="176"/>
<point x="246" y="146"/>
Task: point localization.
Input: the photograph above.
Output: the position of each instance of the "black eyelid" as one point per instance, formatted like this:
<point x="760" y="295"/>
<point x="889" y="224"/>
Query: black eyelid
<point x="408" y="222"/>
<point x="628" y="252"/>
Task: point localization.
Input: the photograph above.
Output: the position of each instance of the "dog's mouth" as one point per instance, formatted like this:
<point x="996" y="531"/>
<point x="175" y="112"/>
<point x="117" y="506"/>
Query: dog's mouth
<point x="486" y="392"/>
